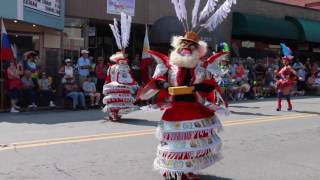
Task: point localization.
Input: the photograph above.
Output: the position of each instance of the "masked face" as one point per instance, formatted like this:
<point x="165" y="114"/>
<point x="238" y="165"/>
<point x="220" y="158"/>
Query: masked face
<point x="286" y="62"/>
<point x="185" y="55"/>
<point x="123" y="67"/>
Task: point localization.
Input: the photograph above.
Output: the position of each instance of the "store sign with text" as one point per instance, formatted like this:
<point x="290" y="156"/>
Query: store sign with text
<point x="248" y="44"/>
<point x="52" y="7"/>
<point x="118" y="6"/>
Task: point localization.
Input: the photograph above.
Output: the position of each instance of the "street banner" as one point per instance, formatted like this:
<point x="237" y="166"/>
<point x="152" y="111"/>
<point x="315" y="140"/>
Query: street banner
<point x="118" y="6"/>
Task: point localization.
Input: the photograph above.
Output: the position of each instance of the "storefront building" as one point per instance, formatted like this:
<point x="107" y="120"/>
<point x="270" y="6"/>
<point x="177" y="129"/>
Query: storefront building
<point x="35" y="25"/>
<point x="258" y="27"/>
<point x="254" y="28"/>
<point x="87" y="25"/>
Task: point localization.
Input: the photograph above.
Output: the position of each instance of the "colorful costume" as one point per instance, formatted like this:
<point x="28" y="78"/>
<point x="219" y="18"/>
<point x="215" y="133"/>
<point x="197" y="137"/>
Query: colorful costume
<point x="188" y="131"/>
<point x="120" y="85"/>
<point x="287" y="77"/>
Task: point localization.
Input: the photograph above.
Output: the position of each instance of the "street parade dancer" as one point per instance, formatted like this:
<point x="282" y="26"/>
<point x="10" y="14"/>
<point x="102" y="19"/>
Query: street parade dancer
<point x="188" y="129"/>
<point x="287" y="78"/>
<point x="120" y="84"/>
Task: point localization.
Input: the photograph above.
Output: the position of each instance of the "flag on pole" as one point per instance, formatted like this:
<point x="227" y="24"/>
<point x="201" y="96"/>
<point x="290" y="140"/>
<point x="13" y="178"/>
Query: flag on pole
<point x="146" y="45"/>
<point x="6" y="50"/>
<point x="146" y="59"/>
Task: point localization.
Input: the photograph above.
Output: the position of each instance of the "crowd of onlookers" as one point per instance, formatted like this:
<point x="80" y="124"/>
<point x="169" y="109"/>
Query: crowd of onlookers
<point x="81" y="81"/>
<point x="256" y="79"/>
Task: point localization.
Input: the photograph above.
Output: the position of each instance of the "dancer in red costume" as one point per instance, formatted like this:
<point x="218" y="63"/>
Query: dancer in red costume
<point x="188" y="131"/>
<point x="120" y="85"/>
<point x="287" y="78"/>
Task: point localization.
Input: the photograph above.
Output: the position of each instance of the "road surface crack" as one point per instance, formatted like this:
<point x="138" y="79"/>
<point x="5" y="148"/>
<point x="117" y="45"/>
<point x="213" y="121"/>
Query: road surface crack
<point x="62" y="170"/>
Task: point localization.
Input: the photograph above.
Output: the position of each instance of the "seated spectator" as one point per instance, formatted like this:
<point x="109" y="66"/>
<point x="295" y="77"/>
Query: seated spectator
<point x="28" y="89"/>
<point x="239" y="71"/>
<point x="44" y="84"/>
<point x="67" y="70"/>
<point x="314" y="68"/>
<point x="73" y="91"/>
<point x="14" y="85"/>
<point x="313" y="84"/>
<point x="241" y="83"/>
<point x="89" y="89"/>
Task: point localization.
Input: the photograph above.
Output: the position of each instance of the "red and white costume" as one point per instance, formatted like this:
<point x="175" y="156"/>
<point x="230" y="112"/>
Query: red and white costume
<point x="119" y="88"/>
<point x="188" y="130"/>
<point x="120" y="84"/>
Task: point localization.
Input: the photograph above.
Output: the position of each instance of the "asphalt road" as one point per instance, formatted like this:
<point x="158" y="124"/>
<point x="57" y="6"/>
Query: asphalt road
<point x="258" y="144"/>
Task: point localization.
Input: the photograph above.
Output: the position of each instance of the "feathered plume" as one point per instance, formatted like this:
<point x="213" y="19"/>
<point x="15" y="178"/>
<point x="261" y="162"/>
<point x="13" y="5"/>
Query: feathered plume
<point x="182" y="5"/>
<point x="177" y="9"/>
<point x="195" y="13"/>
<point x="208" y="18"/>
<point x="116" y="33"/>
<point x="219" y="15"/>
<point x="208" y="9"/>
<point x="125" y="29"/>
<point x="123" y="39"/>
<point x="181" y="12"/>
<point x="286" y="51"/>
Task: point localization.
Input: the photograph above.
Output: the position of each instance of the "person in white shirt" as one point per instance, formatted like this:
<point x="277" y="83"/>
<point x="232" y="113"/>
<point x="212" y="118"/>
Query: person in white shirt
<point x="67" y="70"/>
<point x="89" y="89"/>
<point x="84" y="65"/>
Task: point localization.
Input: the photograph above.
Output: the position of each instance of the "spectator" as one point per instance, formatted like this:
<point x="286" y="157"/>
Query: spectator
<point x="240" y="83"/>
<point x="45" y="89"/>
<point x="307" y="64"/>
<point x="14" y="85"/>
<point x="101" y="73"/>
<point x="225" y="80"/>
<point x="314" y="68"/>
<point x="67" y="70"/>
<point x="233" y="69"/>
<point x="28" y="89"/>
<point x="93" y="66"/>
<point x="259" y="74"/>
<point x="31" y="65"/>
<point x="313" y="83"/>
<point x="270" y="81"/>
<point x="89" y="89"/>
<point x="135" y="70"/>
<point x="298" y="65"/>
<point x="72" y="91"/>
<point x="84" y="66"/>
<point x="301" y="72"/>
<point x="239" y="71"/>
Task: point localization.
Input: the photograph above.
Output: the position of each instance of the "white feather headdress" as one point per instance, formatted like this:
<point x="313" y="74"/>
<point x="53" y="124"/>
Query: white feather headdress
<point x="122" y="39"/>
<point x="209" y="18"/>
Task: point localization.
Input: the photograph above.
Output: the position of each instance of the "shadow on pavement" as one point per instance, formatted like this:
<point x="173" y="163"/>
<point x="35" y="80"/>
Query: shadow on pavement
<point x="139" y="122"/>
<point x="209" y="177"/>
<point x="52" y="117"/>
<point x="243" y="107"/>
<point x="249" y="114"/>
<point x="308" y="112"/>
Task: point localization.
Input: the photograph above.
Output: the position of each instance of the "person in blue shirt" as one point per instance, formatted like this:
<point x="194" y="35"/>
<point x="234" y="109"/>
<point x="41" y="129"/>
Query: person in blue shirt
<point x="84" y="66"/>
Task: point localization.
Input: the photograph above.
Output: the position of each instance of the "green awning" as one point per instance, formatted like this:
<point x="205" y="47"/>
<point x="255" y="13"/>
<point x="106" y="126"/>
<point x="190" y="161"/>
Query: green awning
<point x="309" y="28"/>
<point x="260" y="26"/>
